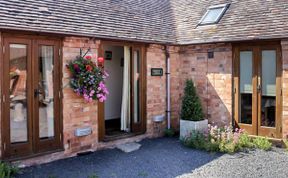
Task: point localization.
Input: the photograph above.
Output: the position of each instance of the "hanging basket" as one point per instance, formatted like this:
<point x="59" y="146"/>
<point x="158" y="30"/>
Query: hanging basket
<point x="88" y="79"/>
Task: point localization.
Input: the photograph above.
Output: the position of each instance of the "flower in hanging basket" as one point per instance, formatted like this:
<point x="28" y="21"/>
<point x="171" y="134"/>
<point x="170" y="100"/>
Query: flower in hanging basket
<point x="88" y="57"/>
<point x="87" y="79"/>
<point x="89" y="68"/>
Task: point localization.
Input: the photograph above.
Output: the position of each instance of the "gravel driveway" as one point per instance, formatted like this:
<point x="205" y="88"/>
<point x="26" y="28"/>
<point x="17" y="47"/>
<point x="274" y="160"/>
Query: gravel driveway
<point x="165" y="158"/>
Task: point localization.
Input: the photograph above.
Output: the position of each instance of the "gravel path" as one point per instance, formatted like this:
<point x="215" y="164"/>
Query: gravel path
<point x="165" y="158"/>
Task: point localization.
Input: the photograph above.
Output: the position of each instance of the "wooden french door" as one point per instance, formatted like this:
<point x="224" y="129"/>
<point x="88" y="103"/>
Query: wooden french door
<point x="31" y="116"/>
<point x="137" y="84"/>
<point x="257" y="89"/>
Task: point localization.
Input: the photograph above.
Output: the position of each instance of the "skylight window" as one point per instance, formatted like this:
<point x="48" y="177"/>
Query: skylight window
<point x="213" y="14"/>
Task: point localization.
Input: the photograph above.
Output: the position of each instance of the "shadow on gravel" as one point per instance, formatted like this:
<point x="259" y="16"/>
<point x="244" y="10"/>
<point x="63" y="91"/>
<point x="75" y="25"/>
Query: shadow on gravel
<point x="162" y="157"/>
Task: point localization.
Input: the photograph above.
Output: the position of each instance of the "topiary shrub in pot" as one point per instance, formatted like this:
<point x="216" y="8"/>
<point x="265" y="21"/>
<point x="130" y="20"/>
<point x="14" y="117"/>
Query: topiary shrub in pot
<point x="192" y="117"/>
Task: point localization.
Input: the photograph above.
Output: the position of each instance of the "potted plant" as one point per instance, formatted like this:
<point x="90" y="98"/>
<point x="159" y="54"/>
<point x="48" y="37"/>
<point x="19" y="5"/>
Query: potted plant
<point x="192" y="117"/>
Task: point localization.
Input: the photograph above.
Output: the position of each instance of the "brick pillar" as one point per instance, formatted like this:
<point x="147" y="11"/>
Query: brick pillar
<point x="76" y="112"/>
<point x="284" y="44"/>
<point x="156" y="91"/>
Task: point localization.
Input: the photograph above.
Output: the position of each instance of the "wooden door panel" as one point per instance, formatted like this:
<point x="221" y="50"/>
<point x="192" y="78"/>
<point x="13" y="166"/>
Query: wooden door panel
<point x="17" y="120"/>
<point x="137" y="92"/>
<point x="46" y="95"/>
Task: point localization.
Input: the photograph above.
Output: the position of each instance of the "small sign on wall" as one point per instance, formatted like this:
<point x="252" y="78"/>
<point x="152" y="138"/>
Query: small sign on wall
<point x="156" y="72"/>
<point x="108" y="55"/>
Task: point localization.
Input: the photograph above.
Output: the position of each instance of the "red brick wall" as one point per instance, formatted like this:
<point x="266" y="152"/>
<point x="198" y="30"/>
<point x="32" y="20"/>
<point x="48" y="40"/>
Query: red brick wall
<point x="76" y="112"/>
<point x="212" y="78"/>
<point x="156" y="88"/>
<point x="284" y="45"/>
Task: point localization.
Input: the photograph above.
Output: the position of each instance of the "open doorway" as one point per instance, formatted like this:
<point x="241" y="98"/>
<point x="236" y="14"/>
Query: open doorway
<point x="123" y="111"/>
<point x="114" y="56"/>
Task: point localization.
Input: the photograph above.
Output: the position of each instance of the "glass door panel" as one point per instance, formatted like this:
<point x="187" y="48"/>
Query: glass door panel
<point x="136" y="90"/>
<point x="18" y="93"/>
<point x="136" y="87"/>
<point x="246" y="89"/>
<point x="46" y="96"/>
<point x="45" y="92"/>
<point x="268" y="92"/>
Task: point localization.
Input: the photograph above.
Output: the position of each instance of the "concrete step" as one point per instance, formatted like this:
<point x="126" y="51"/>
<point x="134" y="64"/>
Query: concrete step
<point x="129" y="147"/>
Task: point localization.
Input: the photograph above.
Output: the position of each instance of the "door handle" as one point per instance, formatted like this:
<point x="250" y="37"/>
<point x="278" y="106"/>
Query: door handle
<point x="36" y="92"/>
<point x="259" y="88"/>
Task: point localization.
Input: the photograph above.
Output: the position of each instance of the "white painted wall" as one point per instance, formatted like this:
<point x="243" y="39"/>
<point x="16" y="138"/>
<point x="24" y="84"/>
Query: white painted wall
<point x="114" y="82"/>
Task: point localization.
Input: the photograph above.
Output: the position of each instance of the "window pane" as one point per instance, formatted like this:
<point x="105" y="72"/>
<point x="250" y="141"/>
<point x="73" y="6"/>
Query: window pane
<point x="46" y="96"/>
<point x="212" y="15"/>
<point x="246" y="62"/>
<point x="18" y="93"/>
<point x="268" y="99"/>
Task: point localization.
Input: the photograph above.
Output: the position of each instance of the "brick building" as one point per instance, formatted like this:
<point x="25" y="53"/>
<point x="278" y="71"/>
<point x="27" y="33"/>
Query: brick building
<point x="235" y="51"/>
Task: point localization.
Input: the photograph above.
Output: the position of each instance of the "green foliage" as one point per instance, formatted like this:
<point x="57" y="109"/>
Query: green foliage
<point x="196" y="140"/>
<point x="262" y="143"/>
<point x="228" y="147"/>
<point x="245" y="141"/>
<point x="7" y="170"/>
<point x="286" y="144"/>
<point x="191" y="105"/>
<point x="93" y="176"/>
<point x="169" y="132"/>
<point x="225" y="140"/>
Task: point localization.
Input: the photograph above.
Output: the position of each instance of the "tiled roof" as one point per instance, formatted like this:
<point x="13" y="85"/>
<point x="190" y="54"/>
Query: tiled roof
<point x="163" y="21"/>
<point x="137" y="20"/>
<point x="244" y="20"/>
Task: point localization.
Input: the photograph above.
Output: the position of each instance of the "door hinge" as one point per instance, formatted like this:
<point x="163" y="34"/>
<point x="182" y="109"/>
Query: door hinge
<point x="3" y="49"/>
<point x="60" y="135"/>
<point x="4" y="146"/>
<point x="235" y="90"/>
<point x="59" y="52"/>
<point x="3" y="98"/>
<point x="59" y="94"/>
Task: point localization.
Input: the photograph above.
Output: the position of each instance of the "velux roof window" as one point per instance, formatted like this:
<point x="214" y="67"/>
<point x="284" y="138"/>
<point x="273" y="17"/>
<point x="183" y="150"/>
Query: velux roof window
<point x="213" y="14"/>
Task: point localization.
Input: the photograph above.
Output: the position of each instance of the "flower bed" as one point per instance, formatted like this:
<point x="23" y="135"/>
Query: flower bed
<point x="225" y="140"/>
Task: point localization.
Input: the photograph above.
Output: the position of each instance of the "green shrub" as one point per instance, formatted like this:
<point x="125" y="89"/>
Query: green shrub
<point x="262" y="143"/>
<point x="169" y="132"/>
<point x="7" y="170"/>
<point x="245" y="141"/>
<point x="228" y="147"/>
<point x="286" y="144"/>
<point x="191" y="105"/>
<point x="196" y="140"/>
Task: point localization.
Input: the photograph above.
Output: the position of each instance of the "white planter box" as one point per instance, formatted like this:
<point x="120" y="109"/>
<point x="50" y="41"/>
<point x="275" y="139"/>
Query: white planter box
<point x="186" y="127"/>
